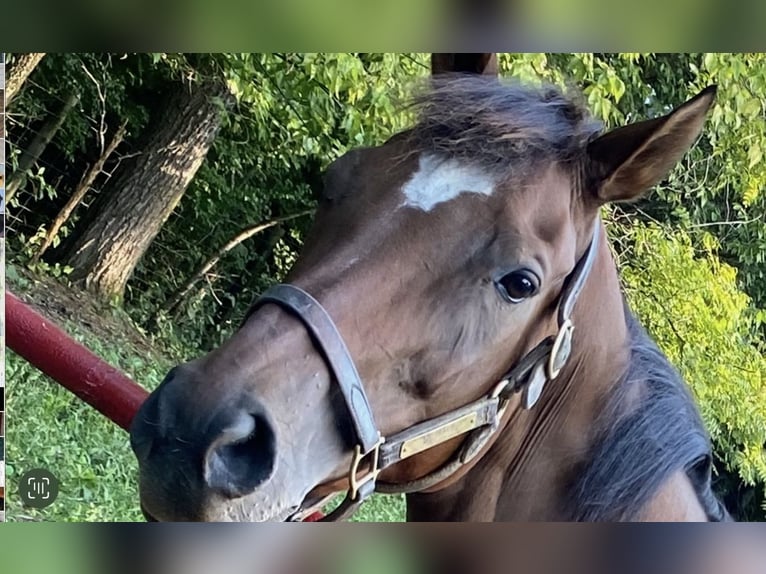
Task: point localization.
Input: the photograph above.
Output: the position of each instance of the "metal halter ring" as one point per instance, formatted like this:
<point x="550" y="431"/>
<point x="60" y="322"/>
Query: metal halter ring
<point x="355" y="481"/>
<point x="562" y="347"/>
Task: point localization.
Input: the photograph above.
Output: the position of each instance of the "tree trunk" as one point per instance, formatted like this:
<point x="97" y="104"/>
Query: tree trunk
<point x="35" y="149"/>
<point x="17" y="74"/>
<point x="80" y="192"/>
<point x="176" y="298"/>
<point x="131" y="211"/>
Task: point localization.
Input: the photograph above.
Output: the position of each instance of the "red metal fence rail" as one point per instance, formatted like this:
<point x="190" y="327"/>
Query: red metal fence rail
<point x="69" y="363"/>
<point x="72" y="365"/>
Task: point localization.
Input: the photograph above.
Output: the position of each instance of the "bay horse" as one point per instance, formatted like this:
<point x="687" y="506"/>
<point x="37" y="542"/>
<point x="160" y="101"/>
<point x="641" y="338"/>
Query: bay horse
<point x="424" y="342"/>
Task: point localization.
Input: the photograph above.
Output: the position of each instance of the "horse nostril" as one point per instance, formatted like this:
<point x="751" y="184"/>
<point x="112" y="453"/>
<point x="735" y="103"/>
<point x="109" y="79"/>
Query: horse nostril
<point x="242" y="458"/>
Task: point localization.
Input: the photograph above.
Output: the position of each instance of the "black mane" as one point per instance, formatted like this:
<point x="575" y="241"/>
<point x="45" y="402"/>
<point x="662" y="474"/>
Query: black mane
<point x="638" y="448"/>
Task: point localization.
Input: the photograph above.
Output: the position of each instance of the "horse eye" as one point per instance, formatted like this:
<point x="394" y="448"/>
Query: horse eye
<point x="517" y="286"/>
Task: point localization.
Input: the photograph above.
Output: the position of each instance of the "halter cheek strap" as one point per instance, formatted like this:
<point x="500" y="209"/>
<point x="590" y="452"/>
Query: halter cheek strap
<point x="337" y="357"/>
<point x="327" y="338"/>
<point x="374" y="453"/>
<point x="544" y="362"/>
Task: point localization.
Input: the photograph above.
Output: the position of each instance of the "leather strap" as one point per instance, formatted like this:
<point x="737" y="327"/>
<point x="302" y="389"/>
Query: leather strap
<point x="519" y="374"/>
<point x="336" y="355"/>
<point x="579" y="276"/>
<point x="478" y="420"/>
<point x="439" y="430"/>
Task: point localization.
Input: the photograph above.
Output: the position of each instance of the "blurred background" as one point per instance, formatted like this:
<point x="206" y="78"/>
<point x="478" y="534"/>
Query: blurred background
<point x="382" y="549"/>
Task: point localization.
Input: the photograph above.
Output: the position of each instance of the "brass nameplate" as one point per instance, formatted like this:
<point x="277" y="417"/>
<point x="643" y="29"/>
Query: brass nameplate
<point x="438" y="435"/>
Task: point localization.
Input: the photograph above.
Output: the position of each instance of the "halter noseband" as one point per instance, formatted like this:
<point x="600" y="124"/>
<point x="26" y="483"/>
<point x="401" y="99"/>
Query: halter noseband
<point x="481" y="418"/>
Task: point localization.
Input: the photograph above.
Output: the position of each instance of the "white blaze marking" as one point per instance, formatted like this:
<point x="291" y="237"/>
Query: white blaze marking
<point x="438" y="180"/>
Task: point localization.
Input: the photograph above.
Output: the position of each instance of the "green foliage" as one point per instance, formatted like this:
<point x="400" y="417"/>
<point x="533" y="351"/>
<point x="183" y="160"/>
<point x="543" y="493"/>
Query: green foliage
<point x="691" y="305"/>
<point x="720" y="185"/>
<point x="89" y="454"/>
<point x="110" y="89"/>
<point x="103" y="83"/>
<point x="295" y="114"/>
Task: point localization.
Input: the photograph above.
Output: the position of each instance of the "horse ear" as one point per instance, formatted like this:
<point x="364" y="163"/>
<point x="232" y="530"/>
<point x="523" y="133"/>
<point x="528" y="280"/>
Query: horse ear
<point x="626" y="162"/>
<point x="484" y="64"/>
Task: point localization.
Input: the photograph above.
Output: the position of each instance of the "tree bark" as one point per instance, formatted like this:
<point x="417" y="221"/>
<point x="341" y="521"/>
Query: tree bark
<point x="175" y="300"/>
<point x="80" y="192"/>
<point x="131" y="211"/>
<point x="35" y="149"/>
<point x="17" y="74"/>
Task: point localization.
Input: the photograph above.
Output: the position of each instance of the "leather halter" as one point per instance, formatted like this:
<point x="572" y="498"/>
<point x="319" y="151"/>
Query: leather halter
<point x="374" y="453"/>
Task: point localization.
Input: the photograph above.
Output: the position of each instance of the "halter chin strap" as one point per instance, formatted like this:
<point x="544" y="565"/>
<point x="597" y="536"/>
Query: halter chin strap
<point x="374" y="453"/>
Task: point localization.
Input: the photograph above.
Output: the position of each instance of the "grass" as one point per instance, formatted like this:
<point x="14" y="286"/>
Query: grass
<point x="49" y="427"/>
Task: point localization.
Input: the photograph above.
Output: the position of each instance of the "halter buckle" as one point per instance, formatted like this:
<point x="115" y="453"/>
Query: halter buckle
<point x="356" y="482"/>
<point x="496" y="393"/>
<point x="562" y="348"/>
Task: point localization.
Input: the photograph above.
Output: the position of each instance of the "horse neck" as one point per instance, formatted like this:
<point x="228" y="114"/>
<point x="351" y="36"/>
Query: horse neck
<point x="524" y="475"/>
